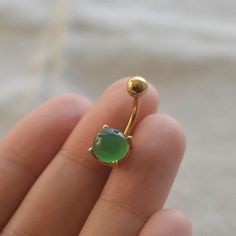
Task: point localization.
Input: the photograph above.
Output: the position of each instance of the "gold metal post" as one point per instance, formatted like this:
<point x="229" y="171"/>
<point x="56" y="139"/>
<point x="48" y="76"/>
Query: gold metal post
<point x="136" y="87"/>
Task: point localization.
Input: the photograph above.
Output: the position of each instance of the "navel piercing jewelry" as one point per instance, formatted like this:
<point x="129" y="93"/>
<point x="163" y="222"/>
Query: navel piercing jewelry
<point x="112" y="146"/>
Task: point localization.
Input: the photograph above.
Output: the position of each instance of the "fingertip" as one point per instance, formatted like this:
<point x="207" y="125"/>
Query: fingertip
<point x="173" y="134"/>
<point x="167" y="222"/>
<point x="43" y="131"/>
<point x="178" y="221"/>
<point x="164" y="137"/>
<point x="79" y="103"/>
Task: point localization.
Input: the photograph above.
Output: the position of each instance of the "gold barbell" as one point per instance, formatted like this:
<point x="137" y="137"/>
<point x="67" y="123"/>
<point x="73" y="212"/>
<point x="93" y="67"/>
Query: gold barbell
<point x="112" y="146"/>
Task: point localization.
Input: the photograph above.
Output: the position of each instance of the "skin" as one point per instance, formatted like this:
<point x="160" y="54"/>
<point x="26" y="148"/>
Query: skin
<point x="51" y="185"/>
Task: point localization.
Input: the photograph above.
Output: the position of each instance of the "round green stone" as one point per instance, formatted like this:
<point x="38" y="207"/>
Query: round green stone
<point x="110" y="145"/>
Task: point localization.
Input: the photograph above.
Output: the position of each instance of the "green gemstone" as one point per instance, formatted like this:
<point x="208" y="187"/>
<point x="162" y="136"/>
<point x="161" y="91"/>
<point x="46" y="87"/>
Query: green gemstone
<point x="110" y="145"/>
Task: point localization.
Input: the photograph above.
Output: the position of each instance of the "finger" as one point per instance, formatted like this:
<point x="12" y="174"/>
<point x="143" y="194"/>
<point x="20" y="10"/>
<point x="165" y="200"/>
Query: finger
<point x="67" y="190"/>
<point x="140" y="187"/>
<point x="29" y="147"/>
<point x="167" y="222"/>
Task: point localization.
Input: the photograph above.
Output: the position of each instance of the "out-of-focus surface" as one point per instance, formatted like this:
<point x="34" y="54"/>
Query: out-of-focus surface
<point x="187" y="49"/>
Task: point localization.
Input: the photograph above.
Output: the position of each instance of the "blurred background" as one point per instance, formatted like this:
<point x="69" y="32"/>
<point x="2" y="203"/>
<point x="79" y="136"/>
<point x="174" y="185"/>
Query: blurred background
<point x="186" y="48"/>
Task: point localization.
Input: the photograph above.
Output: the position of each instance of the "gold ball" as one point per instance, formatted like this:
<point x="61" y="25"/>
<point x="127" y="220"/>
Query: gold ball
<point x="137" y="86"/>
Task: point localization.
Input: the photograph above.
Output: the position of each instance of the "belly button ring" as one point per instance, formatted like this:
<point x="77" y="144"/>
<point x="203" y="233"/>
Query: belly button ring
<point x="111" y="146"/>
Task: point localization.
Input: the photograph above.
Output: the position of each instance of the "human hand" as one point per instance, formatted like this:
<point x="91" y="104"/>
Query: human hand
<point x="50" y="185"/>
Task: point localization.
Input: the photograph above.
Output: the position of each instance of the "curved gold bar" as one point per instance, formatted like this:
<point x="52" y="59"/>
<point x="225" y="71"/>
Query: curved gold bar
<point x="133" y="116"/>
<point x="136" y="87"/>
